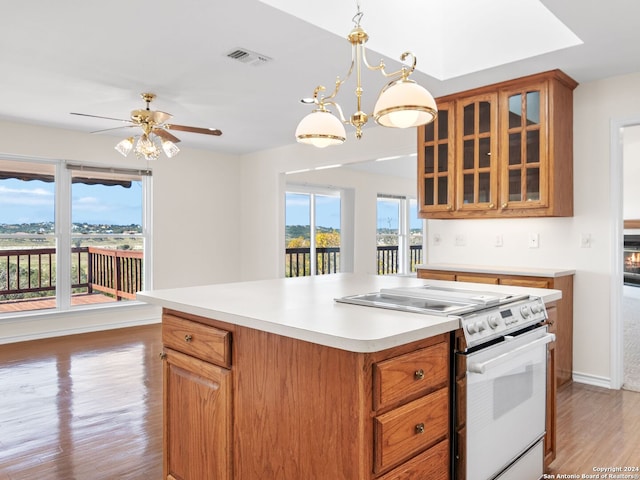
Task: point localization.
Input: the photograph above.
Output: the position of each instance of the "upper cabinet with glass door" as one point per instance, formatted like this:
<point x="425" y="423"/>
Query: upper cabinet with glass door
<point x="513" y="154"/>
<point x="435" y="163"/>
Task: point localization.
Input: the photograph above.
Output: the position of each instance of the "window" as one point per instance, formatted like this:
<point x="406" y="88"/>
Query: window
<point x="399" y="235"/>
<point x="312" y="231"/>
<point x="70" y="235"/>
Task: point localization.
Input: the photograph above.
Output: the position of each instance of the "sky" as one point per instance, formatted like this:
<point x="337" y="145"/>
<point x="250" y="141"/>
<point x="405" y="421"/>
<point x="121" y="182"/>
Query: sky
<point x="328" y="212"/>
<point x="33" y="202"/>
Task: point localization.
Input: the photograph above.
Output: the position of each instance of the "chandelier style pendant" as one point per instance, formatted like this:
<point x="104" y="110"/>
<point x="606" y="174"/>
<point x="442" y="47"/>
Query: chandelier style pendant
<point x="402" y="103"/>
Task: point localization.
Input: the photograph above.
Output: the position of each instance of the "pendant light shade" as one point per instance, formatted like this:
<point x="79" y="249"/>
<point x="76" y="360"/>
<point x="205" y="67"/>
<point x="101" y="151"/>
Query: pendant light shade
<point x="404" y="104"/>
<point x="321" y="129"/>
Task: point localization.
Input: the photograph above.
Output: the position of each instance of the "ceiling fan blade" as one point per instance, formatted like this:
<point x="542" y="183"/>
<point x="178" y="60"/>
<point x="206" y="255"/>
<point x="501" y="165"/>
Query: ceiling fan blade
<point x="114" y="128"/>
<point x="160" y="117"/>
<point x="165" y="135"/>
<point x="97" y="116"/>
<point x="205" y="131"/>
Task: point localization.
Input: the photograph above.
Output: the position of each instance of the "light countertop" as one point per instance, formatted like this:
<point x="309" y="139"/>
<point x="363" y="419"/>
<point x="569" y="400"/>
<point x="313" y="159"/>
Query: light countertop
<point x="304" y="308"/>
<point x="498" y="270"/>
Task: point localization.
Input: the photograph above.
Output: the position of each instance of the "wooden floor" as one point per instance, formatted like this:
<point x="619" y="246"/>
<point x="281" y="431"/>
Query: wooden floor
<point x="83" y="407"/>
<point x="596" y="427"/>
<point x="88" y="407"/>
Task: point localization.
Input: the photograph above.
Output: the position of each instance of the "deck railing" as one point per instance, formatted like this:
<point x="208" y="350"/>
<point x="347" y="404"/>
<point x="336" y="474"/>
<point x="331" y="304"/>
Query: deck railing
<point x="32" y="271"/>
<point x="297" y="260"/>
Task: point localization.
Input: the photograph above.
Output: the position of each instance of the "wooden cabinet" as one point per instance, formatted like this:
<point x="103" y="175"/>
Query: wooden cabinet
<point x="197" y="401"/>
<point x="435" y="163"/>
<point x="411" y="401"/>
<point x="475" y="163"/>
<point x="242" y="404"/>
<point x="509" y="150"/>
<point x="550" y="435"/>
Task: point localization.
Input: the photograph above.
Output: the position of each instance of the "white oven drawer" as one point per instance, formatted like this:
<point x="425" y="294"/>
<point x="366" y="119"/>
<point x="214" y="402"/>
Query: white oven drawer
<point x="529" y="467"/>
<point x="505" y="403"/>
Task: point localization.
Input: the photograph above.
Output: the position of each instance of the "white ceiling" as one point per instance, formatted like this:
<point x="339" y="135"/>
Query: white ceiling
<point x="97" y="57"/>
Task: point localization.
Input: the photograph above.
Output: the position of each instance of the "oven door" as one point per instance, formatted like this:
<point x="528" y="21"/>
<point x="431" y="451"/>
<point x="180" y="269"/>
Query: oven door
<point x="506" y="403"/>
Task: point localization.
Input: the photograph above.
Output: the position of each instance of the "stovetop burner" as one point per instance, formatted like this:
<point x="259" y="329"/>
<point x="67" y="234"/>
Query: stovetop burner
<point x="484" y="316"/>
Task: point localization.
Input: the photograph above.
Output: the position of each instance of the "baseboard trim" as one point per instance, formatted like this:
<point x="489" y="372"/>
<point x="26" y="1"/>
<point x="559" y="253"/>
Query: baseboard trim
<point x="59" y="324"/>
<point x="593" y="380"/>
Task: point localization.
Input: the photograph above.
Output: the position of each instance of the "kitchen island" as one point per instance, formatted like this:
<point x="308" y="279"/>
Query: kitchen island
<point x="274" y="380"/>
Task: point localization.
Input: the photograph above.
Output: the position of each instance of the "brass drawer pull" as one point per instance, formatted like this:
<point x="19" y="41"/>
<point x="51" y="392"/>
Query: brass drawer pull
<point x="419" y="428"/>
<point x="187" y="338"/>
<point x="418" y="375"/>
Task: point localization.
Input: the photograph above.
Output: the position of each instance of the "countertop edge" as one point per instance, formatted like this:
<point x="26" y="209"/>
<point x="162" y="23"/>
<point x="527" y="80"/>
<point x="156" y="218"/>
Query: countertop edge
<point x="442" y="325"/>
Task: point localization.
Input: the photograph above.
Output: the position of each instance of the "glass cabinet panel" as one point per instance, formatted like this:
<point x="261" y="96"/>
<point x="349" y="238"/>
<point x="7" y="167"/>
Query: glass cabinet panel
<point x="434" y="164"/>
<point x="523" y="154"/>
<point x="477" y="174"/>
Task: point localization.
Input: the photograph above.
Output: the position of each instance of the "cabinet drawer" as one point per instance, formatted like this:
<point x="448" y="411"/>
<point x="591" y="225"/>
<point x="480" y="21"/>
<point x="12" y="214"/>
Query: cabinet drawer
<point x="201" y="341"/>
<point x="430" y="275"/>
<point x="410" y="375"/>
<point x="477" y="279"/>
<point x="410" y="429"/>
<point x="525" y="282"/>
<point x="432" y="464"/>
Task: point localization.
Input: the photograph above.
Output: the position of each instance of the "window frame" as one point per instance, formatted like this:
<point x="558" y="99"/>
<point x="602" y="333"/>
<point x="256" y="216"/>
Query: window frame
<point x="404" y="230"/>
<point x="63" y="233"/>
<point x="346" y="253"/>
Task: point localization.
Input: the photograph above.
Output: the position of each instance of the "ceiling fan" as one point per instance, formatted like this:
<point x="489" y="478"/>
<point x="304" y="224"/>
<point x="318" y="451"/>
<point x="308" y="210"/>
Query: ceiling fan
<point x="155" y="134"/>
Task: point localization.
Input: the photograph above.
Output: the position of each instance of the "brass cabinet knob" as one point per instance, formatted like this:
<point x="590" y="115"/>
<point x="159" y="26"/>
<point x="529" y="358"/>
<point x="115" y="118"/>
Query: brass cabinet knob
<point x="505" y="205"/>
<point x="418" y="374"/>
<point x="449" y="207"/>
<point x="162" y="355"/>
<point x="492" y="206"/>
<point x="419" y="428"/>
<point x="187" y="338"/>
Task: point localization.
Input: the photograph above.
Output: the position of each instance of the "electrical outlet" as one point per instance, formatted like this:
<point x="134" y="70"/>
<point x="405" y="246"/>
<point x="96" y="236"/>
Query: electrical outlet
<point x="534" y="240"/>
<point x="461" y="240"/>
<point x="437" y="239"/>
<point x="585" y="240"/>
<point x="498" y="242"/>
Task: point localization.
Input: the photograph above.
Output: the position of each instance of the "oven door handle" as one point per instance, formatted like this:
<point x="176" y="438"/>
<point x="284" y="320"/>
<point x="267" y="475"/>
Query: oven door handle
<point x="482" y="367"/>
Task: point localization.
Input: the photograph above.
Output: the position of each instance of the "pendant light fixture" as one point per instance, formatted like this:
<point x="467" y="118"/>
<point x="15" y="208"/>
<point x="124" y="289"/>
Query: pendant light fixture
<point x="402" y="103"/>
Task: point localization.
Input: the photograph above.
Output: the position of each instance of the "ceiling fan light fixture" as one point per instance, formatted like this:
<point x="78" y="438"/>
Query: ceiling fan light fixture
<point x="124" y="147"/>
<point x="321" y="129"/>
<point x="170" y="149"/>
<point x="404" y="104"/>
<point x="146" y="148"/>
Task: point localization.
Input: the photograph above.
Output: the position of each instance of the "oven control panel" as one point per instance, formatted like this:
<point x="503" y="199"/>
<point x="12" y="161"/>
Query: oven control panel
<point x="485" y="325"/>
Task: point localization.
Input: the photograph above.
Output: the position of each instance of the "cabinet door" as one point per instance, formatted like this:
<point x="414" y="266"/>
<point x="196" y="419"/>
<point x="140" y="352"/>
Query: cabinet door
<point x="523" y="147"/>
<point x="476" y="152"/>
<point x="435" y="163"/>
<point x="197" y="419"/>
<point x="550" y="434"/>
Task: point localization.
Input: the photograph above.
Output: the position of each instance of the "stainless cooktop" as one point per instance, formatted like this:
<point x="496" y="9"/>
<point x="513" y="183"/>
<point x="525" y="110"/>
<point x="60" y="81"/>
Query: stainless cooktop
<point x="431" y="300"/>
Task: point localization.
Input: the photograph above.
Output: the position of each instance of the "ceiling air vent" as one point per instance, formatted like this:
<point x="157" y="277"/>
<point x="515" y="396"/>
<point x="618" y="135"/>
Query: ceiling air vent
<point x="247" y="56"/>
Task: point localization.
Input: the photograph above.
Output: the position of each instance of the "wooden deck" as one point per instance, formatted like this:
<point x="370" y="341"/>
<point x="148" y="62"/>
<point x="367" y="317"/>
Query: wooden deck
<point x="45" y="303"/>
